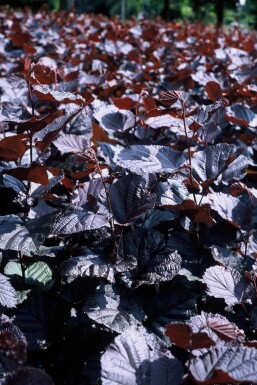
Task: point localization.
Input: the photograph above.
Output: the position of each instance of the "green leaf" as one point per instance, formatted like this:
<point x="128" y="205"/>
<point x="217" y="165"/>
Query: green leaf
<point x="22" y="295"/>
<point x="36" y="273"/>
<point x="186" y="273"/>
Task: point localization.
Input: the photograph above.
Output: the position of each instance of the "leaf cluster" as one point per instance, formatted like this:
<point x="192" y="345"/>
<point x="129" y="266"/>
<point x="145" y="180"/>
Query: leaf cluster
<point x="128" y="213"/>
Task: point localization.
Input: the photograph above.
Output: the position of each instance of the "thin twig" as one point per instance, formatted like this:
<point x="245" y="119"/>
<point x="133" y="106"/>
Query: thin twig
<point x="107" y="193"/>
<point x="188" y="147"/>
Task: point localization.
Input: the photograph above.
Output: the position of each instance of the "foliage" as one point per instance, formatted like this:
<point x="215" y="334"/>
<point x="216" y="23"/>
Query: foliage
<point x="128" y="213"/>
<point x="193" y="10"/>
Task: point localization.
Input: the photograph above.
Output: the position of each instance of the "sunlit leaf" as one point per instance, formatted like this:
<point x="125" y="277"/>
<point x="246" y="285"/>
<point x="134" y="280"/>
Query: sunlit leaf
<point x="74" y="219"/>
<point x="226" y="283"/>
<point x="46" y="93"/>
<point x="221" y="159"/>
<point x="35" y="273"/>
<point x="226" y="364"/>
<point x="15" y="236"/>
<point x="151" y="159"/>
<point x="8" y="296"/>
<point x="137" y="357"/>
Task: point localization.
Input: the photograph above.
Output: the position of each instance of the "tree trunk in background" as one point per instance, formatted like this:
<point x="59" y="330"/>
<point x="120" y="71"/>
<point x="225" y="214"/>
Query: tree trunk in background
<point x="219" y="8"/>
<point x="67" y="4"/>
<point x="254" y="13"/>
<point x="166" y="10"/>
<point x="123" y="10"/>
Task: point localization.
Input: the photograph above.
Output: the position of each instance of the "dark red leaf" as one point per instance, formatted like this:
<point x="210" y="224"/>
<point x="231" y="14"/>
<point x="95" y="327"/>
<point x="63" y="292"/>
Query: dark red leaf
<point x="67" y="183"/>
<point x="151" y="32"/>
<point x="224" y="329"/>
<point x="71" y="76"/>
<point x="36" y="124"/>
<point x="201" y="340"/>
<point x="250" y="344"/>
<point x="148" y="101"/>
<point x="195" y="212"/>
<point x="49" y="137"/>
<point x="43" y="74"/>
<point x="182" y="336"/>
<point x="179" y="334"/>
<point x="134" y="56"/>
<point x="237" y="188"/>
<point x="45" y="93"/>
<point x="173" y="112"/>
<point x="124" y="103"/>
<point x="170" y="97"/>
<point x="99" y="135"/>
<point x="18" y="39"/>
<point x="35" y="173"/>
<point x="29" y="49"/>
<point x="214" y="91"/>
<point x="13" y="147"/>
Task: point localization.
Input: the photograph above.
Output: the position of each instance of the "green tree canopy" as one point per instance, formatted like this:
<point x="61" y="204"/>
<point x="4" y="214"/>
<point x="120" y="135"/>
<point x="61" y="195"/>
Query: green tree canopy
<point x="207" y="11"/>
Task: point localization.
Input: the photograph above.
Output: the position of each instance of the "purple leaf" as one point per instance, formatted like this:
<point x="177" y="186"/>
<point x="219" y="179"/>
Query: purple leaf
<point x="67" y="143"/>
<point x="227" y="284"/>
<point x="226" y="364"/>
<point x="218" y="161"/>
<point x="130" y="198"/>
<point x="113" y="119"/>
<point x="151" y="159"/>
<point x="139" y="358"/>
